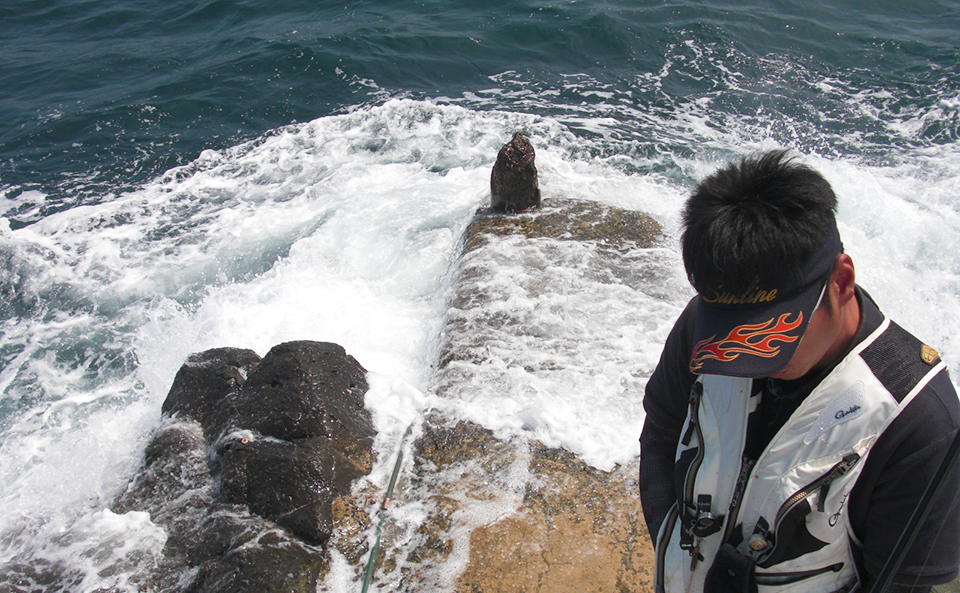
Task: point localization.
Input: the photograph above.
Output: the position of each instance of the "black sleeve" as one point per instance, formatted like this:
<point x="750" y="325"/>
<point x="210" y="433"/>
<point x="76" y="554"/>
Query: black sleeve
<point x="894" y="478"/>
<point x="665" y="403"/>
<point x="895" y="588"/>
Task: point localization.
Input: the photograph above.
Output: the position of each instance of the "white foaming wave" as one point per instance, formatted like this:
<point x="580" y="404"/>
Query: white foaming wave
<point x="916" y="122"/>
<point x="59" y="475"/>
<point x="56" y="485"/>
<point x="336" y="230"/>
<point x="901" y="225"/>
<point x="949" y="103"/>
<point x="571" y="343"/>
<point x="99" y="551"/>
<point x="397" y="184"/>
<point x="28" y="200"/>
<point x="344" y="229"/>
<point x="400" y="182"/>
<point x="209" y="219"/>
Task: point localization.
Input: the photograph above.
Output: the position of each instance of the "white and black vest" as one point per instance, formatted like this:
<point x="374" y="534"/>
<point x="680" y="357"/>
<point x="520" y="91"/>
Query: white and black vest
<point x="786" y="512"/>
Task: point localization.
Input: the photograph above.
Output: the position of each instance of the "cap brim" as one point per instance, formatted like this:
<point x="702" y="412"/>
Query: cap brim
<point x="754" y="342"/>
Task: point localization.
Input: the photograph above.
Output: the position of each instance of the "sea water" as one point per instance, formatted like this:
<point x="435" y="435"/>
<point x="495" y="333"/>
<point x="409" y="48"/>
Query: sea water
<point x="223" y="175"/>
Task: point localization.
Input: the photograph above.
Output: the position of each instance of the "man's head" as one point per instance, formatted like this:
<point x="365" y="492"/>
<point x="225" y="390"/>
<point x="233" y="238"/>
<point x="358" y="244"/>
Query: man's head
<point x="759" y="243"/>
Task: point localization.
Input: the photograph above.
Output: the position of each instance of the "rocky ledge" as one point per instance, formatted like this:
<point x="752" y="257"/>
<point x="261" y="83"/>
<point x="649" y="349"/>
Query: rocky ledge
<point x="511" y="514"/>
<point x="251" y="469"/>
<point x="256" y="469"/>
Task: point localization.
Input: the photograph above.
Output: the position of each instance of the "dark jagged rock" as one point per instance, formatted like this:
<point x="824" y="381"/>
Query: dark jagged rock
<point x="513" y="181"/>
<point x="273" y="565"/>
<point x="295" y="484"/>
<point x="205" y="380"/>
<point x="38" y="575"/>
<point x="251" y="469"/>
<point x="175" y="468"/>
<point x="297" y="436"/>
<point x="303" y="390"/>
<point x="176" y="487"/>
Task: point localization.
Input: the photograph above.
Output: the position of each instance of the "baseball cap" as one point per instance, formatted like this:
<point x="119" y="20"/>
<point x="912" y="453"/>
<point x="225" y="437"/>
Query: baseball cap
<point x="754" y="334"/>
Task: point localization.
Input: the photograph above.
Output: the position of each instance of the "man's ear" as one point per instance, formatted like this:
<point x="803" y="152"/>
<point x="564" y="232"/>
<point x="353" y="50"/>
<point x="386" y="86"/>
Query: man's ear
<point x="843" y="280"/>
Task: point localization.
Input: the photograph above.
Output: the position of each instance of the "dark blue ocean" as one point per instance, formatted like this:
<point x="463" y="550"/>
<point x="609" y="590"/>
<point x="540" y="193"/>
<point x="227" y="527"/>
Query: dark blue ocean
<point x="183" y="175"/>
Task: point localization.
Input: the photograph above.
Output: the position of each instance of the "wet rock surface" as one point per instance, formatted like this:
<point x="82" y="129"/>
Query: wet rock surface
<point x="204" y="382"/>
<point x="510" y="514"/>
<point x="568" y="220"/>
<point x="612" y="251"/>
<point x="250" y="471"/>
<point x="571" y="528"/>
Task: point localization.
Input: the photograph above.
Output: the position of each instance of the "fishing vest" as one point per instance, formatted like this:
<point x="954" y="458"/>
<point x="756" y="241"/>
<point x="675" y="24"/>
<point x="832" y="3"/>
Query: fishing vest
<point x="784" y="515"/>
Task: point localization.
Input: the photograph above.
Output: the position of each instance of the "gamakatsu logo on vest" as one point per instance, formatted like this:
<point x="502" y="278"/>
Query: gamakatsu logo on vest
<point x="752" y="296"/>
<point x="842" y="413"/>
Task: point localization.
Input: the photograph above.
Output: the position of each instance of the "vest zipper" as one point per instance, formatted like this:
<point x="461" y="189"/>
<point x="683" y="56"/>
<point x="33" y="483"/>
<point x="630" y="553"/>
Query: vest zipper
<point x="824" y="481"/>
<point x="688" y="539"/>
<point x="701" y="453"/>
<point x="662" y="545"/>
<point x="789" y="578"/>
<point x="745" y="468"/>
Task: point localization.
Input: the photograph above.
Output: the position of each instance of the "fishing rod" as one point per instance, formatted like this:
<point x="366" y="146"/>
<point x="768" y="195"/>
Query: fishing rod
<point x="918" y="517"/>
<point x="375" y="551"/>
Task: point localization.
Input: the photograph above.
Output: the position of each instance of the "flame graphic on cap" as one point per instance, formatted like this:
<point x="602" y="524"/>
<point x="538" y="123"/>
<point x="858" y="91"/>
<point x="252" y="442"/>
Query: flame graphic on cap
<point x="757" y="340"/>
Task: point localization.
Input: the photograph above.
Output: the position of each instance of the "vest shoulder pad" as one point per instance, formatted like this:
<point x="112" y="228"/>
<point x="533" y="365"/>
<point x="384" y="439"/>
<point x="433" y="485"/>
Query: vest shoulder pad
<point x="899" y="360"/>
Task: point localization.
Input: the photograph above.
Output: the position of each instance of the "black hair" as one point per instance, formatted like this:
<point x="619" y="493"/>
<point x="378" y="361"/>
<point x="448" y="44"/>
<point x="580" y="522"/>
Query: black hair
<point x="754" y="221"/>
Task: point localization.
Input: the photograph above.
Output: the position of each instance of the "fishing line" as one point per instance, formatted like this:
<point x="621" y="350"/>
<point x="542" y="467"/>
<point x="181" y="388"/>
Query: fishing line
<point x="918" y="516"/>
<point x="936" y="536"/>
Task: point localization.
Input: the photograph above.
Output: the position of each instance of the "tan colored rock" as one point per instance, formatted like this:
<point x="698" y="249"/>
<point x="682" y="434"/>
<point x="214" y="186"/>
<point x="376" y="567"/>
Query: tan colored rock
<point x="565" y="527"/>
<point x="581" y="531"/>
<point x="351" y="523"/>
<point x="568" y="220"/>
<point x="510" y="515"/>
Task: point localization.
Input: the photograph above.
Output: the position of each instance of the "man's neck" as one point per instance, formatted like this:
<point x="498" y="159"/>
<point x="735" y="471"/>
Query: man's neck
<point x="849" y="320"/>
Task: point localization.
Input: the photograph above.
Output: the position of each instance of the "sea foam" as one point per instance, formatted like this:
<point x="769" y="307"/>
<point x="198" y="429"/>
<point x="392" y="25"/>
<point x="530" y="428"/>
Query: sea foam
<point x="347" y="229"/>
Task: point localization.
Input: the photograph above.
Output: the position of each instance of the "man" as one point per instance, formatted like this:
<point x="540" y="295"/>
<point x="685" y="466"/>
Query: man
<point x="791" y="429"/>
